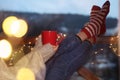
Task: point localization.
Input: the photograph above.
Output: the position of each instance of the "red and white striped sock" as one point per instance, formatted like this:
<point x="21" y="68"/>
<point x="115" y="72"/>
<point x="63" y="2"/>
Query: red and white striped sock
<point x="96" y="26"/>
<point x="104" y="12"/>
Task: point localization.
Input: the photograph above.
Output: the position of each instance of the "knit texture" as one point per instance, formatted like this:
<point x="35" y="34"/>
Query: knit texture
<point x="33" y="61"/>
<point x="96" y="25"/>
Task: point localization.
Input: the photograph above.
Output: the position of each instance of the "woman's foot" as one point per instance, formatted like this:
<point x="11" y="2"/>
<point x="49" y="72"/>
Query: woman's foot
<point x="96" y="26"/>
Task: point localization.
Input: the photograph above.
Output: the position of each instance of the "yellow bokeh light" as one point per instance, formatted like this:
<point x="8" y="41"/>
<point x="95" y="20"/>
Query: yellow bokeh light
<point x="25" y="74"/>
<point x="6" y="25"/>
<point x="21" y="28"/>
<point x="12" y="26"/>
<point x="5" y="49"/>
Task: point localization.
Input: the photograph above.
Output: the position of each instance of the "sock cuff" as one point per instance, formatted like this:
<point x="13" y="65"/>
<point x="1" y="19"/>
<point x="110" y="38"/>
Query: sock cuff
<point x="86" y="32"/>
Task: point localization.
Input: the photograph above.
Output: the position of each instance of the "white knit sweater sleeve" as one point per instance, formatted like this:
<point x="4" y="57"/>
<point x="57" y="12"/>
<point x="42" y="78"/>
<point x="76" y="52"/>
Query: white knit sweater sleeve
<point x="46" y="51"/>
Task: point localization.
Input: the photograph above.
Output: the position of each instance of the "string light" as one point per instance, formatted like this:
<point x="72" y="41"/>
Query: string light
<point x="19" y="53"/>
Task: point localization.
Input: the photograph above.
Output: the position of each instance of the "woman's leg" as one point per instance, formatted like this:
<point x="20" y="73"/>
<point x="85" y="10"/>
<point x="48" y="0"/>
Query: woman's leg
<point x="70" y="43"/>
<point x="63" y="66"/>
<point x="73" y="52"/>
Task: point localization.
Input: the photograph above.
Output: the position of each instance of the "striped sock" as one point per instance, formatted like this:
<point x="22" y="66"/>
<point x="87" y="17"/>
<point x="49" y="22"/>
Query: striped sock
<point x="96" y="25"/>
<point x="104" y="12"/>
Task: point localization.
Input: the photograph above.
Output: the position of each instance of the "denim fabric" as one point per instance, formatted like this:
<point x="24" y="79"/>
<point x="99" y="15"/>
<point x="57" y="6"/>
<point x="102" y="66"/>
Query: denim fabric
<point x="72" y="54"/>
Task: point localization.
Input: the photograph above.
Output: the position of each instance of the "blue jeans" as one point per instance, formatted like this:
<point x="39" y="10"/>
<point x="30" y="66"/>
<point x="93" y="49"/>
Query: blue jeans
<point x="71" y="54"/>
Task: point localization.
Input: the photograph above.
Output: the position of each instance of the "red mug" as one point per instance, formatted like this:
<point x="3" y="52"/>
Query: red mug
<point x="49" y="36"/>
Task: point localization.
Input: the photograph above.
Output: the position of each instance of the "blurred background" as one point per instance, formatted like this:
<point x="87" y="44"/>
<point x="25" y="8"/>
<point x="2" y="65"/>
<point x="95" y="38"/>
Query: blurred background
<point x="68" y="17"/>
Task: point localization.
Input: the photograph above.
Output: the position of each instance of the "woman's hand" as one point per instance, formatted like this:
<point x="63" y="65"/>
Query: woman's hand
<point x="55" y="47"/>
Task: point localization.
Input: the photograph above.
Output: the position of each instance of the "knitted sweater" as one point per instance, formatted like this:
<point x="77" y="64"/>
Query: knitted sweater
<point x="29" y="67"/>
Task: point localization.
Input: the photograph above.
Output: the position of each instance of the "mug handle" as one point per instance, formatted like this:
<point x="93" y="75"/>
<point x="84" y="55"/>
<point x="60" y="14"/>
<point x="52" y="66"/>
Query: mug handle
<point x="60" y="38"/>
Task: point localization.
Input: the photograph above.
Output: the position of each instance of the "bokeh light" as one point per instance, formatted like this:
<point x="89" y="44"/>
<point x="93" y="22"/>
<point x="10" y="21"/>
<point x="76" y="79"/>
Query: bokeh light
<point x="15" y="27"/>
<point x="6" y="25"/>
<point x="5" y="49"/>
<point x="25" y="74"/>
<point x="19" y="28"/>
